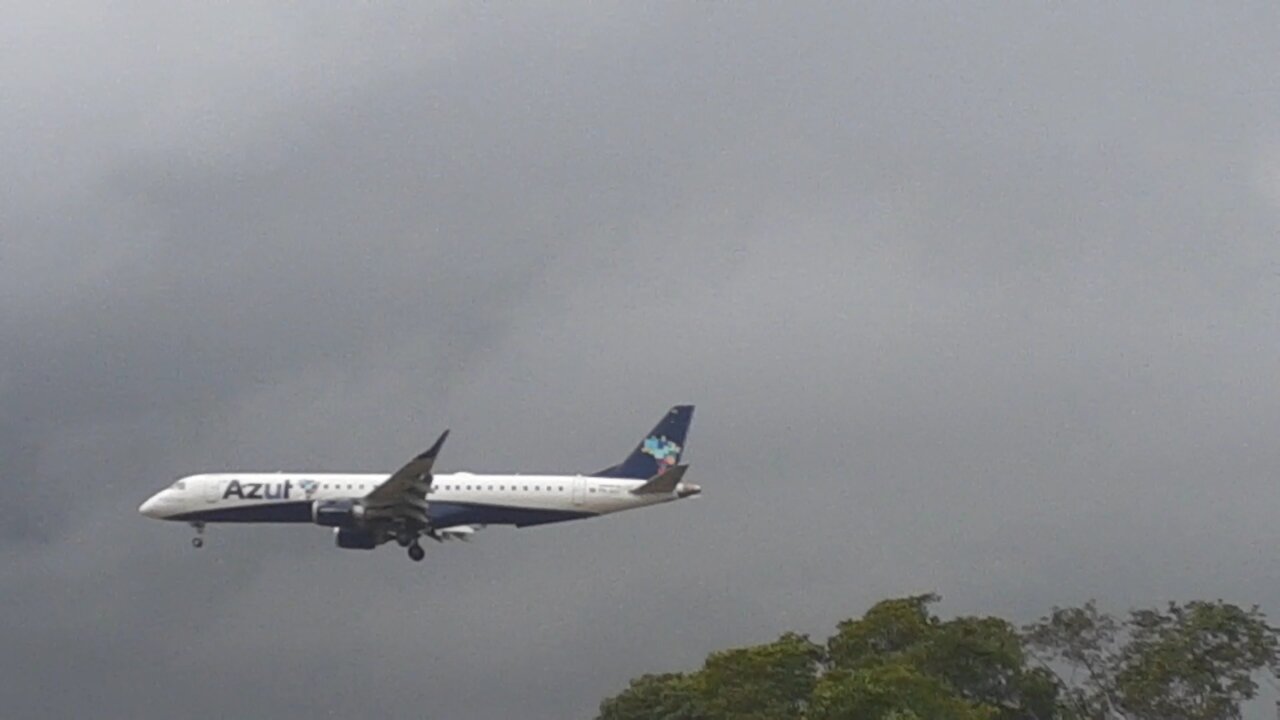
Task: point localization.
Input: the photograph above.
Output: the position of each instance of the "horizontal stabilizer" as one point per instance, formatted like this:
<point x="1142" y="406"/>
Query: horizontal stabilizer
<point x="663" y="483"/>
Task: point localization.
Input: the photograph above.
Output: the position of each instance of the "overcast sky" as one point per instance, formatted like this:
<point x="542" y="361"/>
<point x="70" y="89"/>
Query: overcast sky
<point x="974" y="299"/>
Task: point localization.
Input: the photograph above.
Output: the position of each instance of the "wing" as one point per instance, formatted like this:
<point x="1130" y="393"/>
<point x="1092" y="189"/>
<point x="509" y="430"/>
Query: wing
<point x="404" y="494"/>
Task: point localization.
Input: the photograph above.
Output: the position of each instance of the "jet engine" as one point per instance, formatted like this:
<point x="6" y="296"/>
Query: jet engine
<point x="354" y="538"/>
<point x="337" y="513"/>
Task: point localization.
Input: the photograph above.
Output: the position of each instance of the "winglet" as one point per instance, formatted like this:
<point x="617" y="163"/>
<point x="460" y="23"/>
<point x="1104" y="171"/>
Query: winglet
<point x="434" y="450"/>
<point x="662" y="483"/>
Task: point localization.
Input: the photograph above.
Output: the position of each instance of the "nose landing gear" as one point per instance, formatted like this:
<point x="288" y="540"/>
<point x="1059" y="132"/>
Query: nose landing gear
<point x="416" y="553"/>
<point x="197" y="542"/>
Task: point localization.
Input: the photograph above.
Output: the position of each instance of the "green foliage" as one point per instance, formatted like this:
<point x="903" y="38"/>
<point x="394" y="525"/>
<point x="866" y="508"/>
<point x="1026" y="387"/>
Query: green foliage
<point x="980" y="660"/>
<point x="984" y="661"/>
<point x="673" y="696"/>
<point x="1082" y="639"/>
<point x="890" y="690"/>
<point x="761" y="682"/>
<point x="1195" y="661"/>
<point x="1190" y="662"/>
<point x="889" y="627"/>
<point x="900" y="662"/>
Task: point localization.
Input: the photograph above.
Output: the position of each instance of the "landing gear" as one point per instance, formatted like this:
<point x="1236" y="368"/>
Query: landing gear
<point x="416" y="553"/>
<point x="405" y="539"/>
<point x="197" y="542"/>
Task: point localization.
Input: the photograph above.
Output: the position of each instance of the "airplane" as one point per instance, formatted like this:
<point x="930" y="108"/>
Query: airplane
<point x="367" y="510"/>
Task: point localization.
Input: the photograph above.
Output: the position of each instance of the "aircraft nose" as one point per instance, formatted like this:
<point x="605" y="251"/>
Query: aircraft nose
<point x="151" y="508"/>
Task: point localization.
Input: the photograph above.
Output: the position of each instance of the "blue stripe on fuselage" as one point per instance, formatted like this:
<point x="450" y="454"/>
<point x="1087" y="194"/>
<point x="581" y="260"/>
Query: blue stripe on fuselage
<point x="285" y="512"/>
<point x="442" y="514"/>
<point x="448" y="514"/>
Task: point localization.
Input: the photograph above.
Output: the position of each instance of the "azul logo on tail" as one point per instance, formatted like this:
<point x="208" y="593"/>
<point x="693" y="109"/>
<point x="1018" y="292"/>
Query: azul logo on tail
<point x="664" y="451"/>
<point x="660" y="449"/>
<point x="257" y="491"/>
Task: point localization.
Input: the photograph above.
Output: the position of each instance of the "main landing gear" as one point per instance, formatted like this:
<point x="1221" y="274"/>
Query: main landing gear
<point x="416" y="553"/>
<point x="197" y="542"/>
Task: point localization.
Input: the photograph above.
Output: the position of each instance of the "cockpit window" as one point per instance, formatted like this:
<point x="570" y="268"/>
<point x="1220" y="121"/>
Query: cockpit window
<point x="179" y="485"/>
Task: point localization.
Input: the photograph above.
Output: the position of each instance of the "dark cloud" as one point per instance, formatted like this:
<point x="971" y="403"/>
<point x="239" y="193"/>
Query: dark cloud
<point x="978" y="300"/>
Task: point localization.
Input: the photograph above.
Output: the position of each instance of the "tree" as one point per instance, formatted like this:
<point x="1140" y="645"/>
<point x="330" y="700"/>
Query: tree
<point x="889" y="627"/>
<point x="899" y="661"/>
<point x="887" y="691"/>
<point x="762" y="682"/>
<point x="673" y="696"/>
<point x="1080" y="638"/>
<point x="984" y="661"/>
<point x="1189" y="662"/>
<point x="978" y="659"/>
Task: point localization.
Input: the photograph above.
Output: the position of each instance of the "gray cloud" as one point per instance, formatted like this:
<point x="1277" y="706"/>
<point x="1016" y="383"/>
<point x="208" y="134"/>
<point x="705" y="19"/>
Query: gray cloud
<point x="975" y="300"/>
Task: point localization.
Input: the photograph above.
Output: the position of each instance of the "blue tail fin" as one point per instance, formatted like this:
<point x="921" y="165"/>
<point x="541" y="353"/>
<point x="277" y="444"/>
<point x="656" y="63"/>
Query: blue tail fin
<point x="659" y="451"/>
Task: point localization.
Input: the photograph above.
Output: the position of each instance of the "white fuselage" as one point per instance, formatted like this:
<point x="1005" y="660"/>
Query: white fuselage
<point x="454" y="499"/>
<point x="366" y="510"/>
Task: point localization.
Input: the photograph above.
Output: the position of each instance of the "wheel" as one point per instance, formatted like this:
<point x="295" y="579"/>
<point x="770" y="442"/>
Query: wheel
<point x="197" y="542"/>
<point x="404" y="540"/>
<point x="416" y="553"/>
